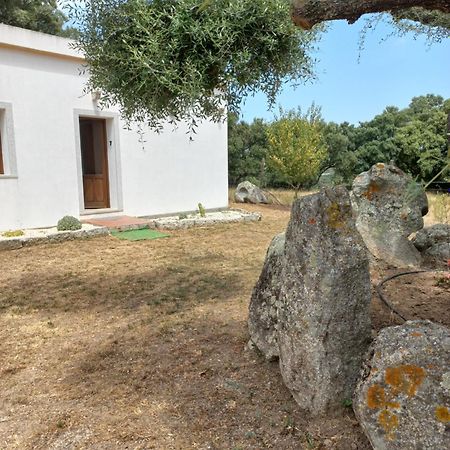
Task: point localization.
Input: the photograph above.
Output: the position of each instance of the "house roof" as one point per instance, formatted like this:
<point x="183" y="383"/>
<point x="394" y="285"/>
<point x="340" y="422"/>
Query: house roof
<point x="35" y="42"/>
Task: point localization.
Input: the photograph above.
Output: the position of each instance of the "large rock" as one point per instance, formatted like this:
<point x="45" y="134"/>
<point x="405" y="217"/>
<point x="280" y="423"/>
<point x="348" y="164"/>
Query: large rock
<point x="403" y="399"/>
<point x="265" y="299"/>
<point x="434" y="242"/>
<point x="329" y="178"/>
<point x="247" y="192"/>
<point x="389" y="206"/>
<point x="323" y="319"/>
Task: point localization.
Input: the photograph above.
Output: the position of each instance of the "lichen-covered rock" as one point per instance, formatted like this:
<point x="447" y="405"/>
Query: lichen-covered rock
<point x="262" y="317"/>
<point x="247" y="192"/>
<point x="323" y="318"/>
<point x="434" y="242"/>
<point x="329" y="178"/>
<point x="403" y="399"/>
<point x="429" y="236"/>
<point x="389" y="206"/>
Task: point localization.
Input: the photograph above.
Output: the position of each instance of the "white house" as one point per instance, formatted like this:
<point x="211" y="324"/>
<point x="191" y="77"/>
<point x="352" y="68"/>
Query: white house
<point x="62" y="155"/>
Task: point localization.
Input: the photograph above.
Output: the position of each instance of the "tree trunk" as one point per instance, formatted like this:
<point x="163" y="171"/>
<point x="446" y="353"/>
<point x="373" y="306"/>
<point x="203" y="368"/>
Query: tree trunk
<point x="307" y="13"/>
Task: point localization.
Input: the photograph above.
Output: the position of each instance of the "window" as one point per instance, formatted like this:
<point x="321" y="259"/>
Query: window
<point x="7" y="147"/>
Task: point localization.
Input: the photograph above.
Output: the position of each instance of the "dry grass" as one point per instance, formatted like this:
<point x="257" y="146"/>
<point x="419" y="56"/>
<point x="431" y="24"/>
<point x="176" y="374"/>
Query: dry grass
<point x="439" y="205"/>
<point x="110" y="344"/>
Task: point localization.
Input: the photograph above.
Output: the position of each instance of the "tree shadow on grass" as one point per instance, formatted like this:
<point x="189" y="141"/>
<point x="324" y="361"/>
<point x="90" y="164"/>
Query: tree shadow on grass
<point x="197" y="381"/>
<point x="172" y="288"/>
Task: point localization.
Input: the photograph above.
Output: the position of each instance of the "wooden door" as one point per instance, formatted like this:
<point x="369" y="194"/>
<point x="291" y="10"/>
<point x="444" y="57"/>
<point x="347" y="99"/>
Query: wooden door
<point x="94" y="159"/>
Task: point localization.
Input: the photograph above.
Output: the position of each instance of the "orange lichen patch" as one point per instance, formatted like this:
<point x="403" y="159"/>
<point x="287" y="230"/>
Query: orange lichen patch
<point x="371" y="190"/>
<point x="376" y="398"/>
<point x="380" y="165"/>
<point x="389" y="422"/>
<point x="416" y="334"/>
<point x="442" y="414"/>
<point x="312" y="221"/>
<point x="405" y="379"/>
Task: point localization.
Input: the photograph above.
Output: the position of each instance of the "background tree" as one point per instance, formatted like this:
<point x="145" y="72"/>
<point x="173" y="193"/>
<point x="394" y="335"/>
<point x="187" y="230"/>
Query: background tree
<point x="340" y="142"/>
<point x="36" y="15"/>
<point x="247" y="151"/>
<point x="296" y="147"/>
<point x="413" y="137"/>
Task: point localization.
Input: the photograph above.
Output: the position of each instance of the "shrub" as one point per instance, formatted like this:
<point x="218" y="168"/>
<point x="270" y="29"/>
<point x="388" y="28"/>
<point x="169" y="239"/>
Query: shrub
<point x="13" y="233"/>
<point x="201" y="210"/>
<point x="68" y="223"/>
<point x="182" y="216"/>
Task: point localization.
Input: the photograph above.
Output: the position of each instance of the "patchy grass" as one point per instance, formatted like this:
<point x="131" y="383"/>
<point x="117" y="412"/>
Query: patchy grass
<point x="110" y="344"/>
<point x="118" y="344"/>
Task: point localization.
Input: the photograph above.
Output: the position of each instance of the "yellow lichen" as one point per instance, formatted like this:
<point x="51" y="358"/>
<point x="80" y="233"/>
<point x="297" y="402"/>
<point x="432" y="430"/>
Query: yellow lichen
<point x="405" y="379"/>
<point x="376" y="398"/>
<point x="442" y="414"/>
<point x="335" y="216"/>
<point x="389" y="422"/>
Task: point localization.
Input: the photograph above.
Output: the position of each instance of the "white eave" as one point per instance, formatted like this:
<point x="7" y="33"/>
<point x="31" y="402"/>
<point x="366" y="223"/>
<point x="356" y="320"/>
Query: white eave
<point x="32" y="41"/>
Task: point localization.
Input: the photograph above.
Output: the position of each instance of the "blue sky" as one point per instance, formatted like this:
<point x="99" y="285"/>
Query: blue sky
<point x="389" y="72"/>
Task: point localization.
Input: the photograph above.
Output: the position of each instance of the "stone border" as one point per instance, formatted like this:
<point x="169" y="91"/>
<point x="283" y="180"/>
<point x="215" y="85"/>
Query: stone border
<point x="49" y="235"/>
<point x="52" y="235"/>
<point x="212" y="218"/>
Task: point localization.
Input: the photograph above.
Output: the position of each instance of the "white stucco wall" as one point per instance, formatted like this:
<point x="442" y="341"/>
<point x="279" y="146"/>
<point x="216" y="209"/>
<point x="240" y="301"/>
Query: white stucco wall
<point x="41" y="92"/>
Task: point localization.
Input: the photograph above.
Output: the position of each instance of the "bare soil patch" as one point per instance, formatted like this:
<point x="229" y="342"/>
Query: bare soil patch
<point x="109" y="344"/>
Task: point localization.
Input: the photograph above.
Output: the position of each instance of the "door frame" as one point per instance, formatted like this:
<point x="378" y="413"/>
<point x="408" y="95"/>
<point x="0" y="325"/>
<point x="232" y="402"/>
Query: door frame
<point x="105" y="162"/>
<point x="111" y="153"/>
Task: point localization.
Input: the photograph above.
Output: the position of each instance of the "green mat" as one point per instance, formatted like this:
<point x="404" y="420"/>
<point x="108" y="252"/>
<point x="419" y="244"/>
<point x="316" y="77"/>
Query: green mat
<point x="139" y="235"/>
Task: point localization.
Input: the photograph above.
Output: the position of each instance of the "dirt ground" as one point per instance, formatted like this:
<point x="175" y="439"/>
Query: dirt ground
<point x="109" y="344"/>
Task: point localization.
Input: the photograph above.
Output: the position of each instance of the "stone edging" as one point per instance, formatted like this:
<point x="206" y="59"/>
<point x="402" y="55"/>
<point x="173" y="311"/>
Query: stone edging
<point x="228" y="216"/>
<point x="24" y="241"/>
<point x="167" y="223"/>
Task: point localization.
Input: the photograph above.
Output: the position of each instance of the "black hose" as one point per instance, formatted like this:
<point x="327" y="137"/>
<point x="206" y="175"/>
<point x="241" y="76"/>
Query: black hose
<point x="384" y="299"/>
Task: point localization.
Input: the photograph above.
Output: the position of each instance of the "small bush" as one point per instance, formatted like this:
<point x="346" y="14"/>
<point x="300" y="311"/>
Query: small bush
<point x="444" y="281"/>
<point x="13" y="233"/>
<point x="201" y="210"/>
<point x="182" y="216"/>
<point x="68" y="223"/>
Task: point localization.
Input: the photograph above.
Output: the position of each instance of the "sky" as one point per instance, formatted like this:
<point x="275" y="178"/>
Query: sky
<point x="389" y="72"/>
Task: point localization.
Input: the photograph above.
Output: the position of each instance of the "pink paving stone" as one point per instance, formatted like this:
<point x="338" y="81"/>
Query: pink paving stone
<point x="118" y="222"/>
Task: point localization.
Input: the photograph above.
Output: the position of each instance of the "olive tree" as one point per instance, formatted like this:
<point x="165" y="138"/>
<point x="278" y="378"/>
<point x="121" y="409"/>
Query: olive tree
<point x="186" y="59"/>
